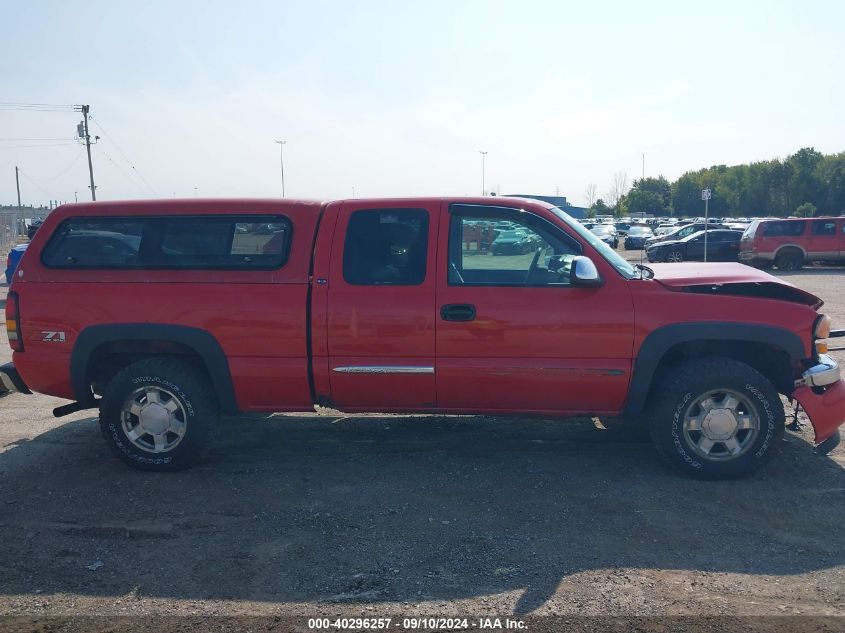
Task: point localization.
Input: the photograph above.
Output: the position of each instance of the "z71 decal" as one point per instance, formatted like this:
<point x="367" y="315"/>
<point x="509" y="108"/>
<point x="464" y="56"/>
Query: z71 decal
<point x="53" y="337"/>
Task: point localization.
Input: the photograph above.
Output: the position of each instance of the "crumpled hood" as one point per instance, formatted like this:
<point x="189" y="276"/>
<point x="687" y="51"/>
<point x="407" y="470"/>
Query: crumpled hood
<point x="730" y="279"/>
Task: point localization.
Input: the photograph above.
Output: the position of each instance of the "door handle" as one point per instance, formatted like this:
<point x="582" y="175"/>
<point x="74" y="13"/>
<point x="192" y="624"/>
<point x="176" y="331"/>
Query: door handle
<point x="457" y="312"/>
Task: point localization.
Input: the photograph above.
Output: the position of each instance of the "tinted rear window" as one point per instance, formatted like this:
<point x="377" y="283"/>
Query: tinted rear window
<point x="218" y="242"/>
<point x="783" y="229"/>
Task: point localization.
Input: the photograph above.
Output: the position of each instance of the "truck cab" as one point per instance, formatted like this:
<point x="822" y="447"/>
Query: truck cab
<point x="173" y="312"/>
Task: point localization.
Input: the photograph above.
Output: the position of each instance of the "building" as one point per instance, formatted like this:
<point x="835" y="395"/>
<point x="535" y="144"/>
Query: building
<point x="558" y="201"/>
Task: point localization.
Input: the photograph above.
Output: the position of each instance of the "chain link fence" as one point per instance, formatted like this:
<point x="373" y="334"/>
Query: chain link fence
<point x="14" y="224"/>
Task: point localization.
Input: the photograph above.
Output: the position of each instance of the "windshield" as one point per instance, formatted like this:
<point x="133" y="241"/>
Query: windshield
<point x="613" y="258"/>
<point x="639" y="230"/>
<point x="601" y="229"/>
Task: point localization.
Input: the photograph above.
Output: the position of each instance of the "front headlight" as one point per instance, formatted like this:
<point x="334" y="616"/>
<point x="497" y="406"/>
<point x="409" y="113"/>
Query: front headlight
<point x="821" y="333"/>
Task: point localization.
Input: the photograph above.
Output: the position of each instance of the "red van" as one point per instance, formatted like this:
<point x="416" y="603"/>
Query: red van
<point x="789" y="244"/>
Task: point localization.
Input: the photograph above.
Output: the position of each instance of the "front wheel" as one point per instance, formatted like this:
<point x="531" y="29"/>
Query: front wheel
<point x="716" y="418"/>
<point x="675" y="256"/>
<point x="156" y="414"/>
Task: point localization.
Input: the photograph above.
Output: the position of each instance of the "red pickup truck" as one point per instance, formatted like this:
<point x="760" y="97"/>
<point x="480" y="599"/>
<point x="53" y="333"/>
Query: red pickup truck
<point x="165" y="314"/>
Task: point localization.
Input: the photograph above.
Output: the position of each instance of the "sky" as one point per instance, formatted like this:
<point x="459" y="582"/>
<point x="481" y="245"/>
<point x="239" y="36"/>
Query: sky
<point x="397" y="98"/>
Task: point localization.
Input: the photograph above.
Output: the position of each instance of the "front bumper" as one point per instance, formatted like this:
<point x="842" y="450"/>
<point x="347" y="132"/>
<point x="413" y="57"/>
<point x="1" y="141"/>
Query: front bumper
<point x="821" y="393"/>
<point x="11" y="381"/>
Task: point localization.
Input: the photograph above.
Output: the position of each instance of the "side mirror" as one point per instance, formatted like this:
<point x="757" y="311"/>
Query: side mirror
<point x="583" y="273"/>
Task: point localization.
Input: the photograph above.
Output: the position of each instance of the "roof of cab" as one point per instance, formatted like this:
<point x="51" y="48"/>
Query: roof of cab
<point x="246" y="206"/>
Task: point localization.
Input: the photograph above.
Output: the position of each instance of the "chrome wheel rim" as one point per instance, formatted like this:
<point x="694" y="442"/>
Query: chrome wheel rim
<point x="721" y="425"/>
<point x="153" y="419"/>
<point x="674" y="257"/>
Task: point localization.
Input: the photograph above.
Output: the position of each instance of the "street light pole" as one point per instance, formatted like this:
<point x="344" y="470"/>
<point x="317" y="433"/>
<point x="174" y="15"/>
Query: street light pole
<point x="705" y="195"/>
<point x="483" y="183"/>
<point x="282" y="162"/>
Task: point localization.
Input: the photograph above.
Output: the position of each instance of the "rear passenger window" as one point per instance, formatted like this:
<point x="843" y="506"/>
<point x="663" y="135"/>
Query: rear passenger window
<point x="386" y="247"/>
<point x="783" y="229"/>
<point x="218" y="242"/>
<point x="821" y="227"/>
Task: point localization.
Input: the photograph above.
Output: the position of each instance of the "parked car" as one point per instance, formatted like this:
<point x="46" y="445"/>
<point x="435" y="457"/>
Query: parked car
<point x="637" y="236"/>
<point x="722" y="246"/>
<point x="33" y="228"/>
<point x="682" y="232"/>
<point x="607" y="234"/>
<point x="512" y="243"/>
<point x="622" y="228"/>
<point x="13" y="259"/>
<point x="789" y="244"/>
<point x="380" y="305"/>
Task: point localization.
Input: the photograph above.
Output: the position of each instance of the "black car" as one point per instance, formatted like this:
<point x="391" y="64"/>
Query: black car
<point x="722" y="246"/>
<point x="512" y="243"/>
<point x="682" y="232"/>
<point x="33" y="228"/>
<point x="637" y="236"/>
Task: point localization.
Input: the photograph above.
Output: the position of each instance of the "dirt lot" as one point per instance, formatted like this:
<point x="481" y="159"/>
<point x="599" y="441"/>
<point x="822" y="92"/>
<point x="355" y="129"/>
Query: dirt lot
<point x="331" y="514"/>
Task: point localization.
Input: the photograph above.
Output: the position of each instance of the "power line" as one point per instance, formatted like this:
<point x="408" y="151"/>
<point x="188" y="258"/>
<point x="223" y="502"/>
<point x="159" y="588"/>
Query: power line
<point x="120" y="151"/>
<point x="37" y="139"/>
<point x="118" y="167"/>
<point x="25" y="175"/>
<point x="36" y="146"/>
<point x="36" y="107"/>
<point x="61" y="173"/>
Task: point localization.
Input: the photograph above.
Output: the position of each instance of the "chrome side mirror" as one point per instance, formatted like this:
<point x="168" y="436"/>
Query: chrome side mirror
<point x="583" y="273"/>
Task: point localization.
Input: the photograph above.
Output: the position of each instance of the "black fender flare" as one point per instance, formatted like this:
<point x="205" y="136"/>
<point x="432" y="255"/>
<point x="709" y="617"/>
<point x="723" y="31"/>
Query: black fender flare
<point x="200" y="341"/>
<point x="663" y="339"/>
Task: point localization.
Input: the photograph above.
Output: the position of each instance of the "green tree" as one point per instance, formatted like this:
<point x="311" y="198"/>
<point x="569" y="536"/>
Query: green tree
<point x="600" y="208"/>
<point x="804" y="184"/>
<point x="659" y="186"/>
<point x="639" y="201"/>
<point x="686" y="195"/>
<point x="806" y="210"/>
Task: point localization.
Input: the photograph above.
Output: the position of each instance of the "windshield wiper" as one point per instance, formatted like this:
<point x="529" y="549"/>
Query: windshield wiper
<point x="645" y="271"/>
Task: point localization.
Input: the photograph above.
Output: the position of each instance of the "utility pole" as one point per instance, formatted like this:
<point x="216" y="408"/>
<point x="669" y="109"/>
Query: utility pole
<point x="282" y="161"/>
<point x="643" y="166"/>
<point x="82" y="130"/>
<point x="76" y="196"/>
<point x="483" y="184"/>
<point x="18" y="185"/>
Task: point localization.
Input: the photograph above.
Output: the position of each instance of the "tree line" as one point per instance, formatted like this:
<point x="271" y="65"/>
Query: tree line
<point x="807" y="183"/>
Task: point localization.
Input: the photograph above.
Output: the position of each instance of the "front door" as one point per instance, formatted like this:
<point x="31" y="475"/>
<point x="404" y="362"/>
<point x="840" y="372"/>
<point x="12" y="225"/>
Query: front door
<point x="381" y="306"/>
<point x="512" y="333"/>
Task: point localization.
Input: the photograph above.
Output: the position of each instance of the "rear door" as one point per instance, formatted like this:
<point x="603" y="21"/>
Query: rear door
<point x="380" y="310"/>
<point x="722" y="246"/>
<point x="824" y="240"/>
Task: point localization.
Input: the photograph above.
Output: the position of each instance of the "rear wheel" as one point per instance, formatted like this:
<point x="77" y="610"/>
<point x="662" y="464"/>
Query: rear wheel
<point x="789" y="261"/>
<point x="716" y="418"/>
<point x="156" y="414"/>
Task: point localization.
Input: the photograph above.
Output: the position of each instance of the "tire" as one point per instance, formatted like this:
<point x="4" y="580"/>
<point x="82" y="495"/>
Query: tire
<point x="789" y="261"/>
<point x="675" y="256"/>
<point x="675" y="410"/>
<point x="183" y="412"/>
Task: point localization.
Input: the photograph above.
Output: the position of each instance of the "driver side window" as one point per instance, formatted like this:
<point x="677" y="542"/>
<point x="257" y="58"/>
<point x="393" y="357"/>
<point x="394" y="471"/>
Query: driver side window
<point x="502" y="250"/>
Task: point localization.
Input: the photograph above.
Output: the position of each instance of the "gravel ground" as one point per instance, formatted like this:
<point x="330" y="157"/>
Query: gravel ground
<point x="331" y="514"/>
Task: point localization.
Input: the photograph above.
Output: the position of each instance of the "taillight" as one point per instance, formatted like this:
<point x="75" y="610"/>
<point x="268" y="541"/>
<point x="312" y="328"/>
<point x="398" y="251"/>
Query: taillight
<point x="13" y="322"/>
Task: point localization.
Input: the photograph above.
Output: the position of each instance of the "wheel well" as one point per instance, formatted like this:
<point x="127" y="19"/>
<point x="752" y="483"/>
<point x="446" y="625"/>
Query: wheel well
<point x="771" y="361"/>
<point x="110" y="358"/>
<point x="790" y="250"/>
